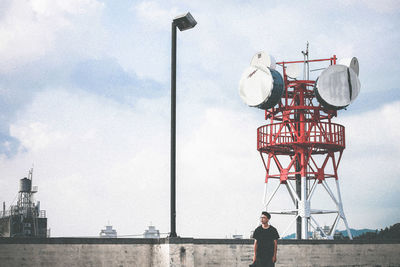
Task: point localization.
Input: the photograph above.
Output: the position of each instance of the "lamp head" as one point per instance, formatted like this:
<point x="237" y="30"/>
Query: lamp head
<point x="185" y="21"/>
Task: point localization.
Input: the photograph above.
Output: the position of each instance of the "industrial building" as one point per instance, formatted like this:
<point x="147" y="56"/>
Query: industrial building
<point x="25" y="219"/>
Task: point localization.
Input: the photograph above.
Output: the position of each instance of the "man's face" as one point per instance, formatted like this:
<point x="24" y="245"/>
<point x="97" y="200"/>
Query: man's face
<point x="264" y="219"/>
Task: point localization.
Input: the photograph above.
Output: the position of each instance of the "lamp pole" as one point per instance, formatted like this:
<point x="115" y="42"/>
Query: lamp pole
<point x="173" y="132"/>
<point x="183" y="22"/>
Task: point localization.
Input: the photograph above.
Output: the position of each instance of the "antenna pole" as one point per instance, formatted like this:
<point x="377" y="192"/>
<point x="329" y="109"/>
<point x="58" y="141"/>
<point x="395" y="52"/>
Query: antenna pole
<point x="30" y="176"/>
<point x="306" y="68"/>
<point x="308" y="65"/>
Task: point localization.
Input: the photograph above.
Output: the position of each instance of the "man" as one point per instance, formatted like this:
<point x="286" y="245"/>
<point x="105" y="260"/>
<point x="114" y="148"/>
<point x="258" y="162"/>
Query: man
<point x="265" y="243"/>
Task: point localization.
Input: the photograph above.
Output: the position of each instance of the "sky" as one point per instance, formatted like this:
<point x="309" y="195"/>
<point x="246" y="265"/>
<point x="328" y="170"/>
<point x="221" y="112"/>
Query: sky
<point x="85" y="99"/>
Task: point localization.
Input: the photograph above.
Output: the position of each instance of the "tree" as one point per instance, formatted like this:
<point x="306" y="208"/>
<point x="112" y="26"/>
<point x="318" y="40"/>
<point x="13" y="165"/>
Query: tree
<point x="393" y="232"/>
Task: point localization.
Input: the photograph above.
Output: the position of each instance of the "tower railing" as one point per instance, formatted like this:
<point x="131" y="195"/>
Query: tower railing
<point x="280" y="137"/>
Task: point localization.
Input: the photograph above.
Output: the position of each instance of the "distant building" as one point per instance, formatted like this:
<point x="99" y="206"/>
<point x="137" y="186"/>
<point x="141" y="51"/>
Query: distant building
<point x="108" y="232"/>
<point x="237" y="236"/>
<point x="318" y="234"/>
<point x="152" y="232"/>
<point x="24" y="219"/>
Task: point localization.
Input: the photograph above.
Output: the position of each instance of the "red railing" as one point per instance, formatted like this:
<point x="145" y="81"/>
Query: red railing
<point x="320" y="135"/>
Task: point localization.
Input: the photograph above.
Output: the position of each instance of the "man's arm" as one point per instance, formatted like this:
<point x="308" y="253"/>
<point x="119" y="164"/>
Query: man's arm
<point x="275" y="249"/>
<point x="255" y="250"/>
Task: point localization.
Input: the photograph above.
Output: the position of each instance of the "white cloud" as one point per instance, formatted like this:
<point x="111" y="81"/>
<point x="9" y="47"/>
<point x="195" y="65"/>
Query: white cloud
<point x="153" y="15"/>
<point x="95" y="160"/>
<point x="54" y="9"/>
<point x="50" y="28"/>
<point x="378" y="127"/>
<point x="369" y="164"/>
<point x="385" y="6"/>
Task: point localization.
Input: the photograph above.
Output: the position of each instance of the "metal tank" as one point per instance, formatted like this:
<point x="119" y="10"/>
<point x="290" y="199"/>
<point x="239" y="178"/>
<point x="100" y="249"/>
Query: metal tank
<point x="25" y="185"/>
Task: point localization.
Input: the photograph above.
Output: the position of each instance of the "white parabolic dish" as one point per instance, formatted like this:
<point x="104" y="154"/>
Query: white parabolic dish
<point x="351" y="62"/>
<point x="338" y="86"/>
<point x="263" y="61"/>
<point x="255" y="86"/>
<point x="293" y="71"/>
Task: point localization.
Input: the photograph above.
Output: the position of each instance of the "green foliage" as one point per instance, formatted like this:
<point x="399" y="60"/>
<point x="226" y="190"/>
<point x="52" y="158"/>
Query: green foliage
<point x="393" y="232"/>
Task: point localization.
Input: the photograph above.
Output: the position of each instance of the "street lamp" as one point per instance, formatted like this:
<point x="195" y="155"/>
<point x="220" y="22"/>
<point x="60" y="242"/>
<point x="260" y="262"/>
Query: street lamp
<point x="183" y="22"/>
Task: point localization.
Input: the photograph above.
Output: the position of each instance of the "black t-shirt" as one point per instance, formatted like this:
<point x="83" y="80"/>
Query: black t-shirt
<point x="265" y="241"/>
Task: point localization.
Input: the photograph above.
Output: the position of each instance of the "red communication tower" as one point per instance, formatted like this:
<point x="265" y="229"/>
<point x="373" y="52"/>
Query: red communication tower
<point x="301" y="148"/>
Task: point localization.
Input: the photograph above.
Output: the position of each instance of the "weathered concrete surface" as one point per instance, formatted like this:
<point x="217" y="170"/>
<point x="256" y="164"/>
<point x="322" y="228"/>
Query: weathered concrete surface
<point x="223" y="254"/>
<point x="185" y="252"/>
<point x="74" y="255"/>
<point x="339" y="255"/>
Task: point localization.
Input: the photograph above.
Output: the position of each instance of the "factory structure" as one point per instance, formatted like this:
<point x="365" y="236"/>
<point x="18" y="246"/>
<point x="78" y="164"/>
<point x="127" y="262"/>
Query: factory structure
<point x="25" y="219"/>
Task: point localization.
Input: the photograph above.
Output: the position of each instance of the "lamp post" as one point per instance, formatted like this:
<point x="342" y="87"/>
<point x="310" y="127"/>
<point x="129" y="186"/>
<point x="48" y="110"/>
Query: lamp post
<point x="183" y="22"/>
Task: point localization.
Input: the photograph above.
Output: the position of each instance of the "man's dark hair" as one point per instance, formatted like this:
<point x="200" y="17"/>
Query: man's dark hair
<point x="266" y="214"/>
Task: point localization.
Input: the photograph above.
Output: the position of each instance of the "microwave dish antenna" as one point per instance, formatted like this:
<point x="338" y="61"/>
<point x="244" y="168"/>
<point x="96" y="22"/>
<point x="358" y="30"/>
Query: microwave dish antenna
<point x="259" y="88"/>
<point x="337" y="87"/>
<point x="263" y="61"/>
<point x="351" y="62"/>
<point x="293" y="71"/>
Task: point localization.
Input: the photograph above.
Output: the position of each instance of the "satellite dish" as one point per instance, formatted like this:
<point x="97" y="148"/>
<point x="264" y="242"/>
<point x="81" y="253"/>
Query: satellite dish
<point x="263" y="61"/>
<point x="351" y="63"/>
<point x="337" y="87"/>
<point x="259" y="88"/>
<point x="293" y="71"/>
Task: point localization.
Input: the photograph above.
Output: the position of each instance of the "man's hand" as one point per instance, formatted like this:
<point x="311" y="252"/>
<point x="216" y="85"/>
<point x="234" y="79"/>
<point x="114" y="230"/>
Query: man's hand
<point x="254" y="258"/>
<point x="274" y="259"/>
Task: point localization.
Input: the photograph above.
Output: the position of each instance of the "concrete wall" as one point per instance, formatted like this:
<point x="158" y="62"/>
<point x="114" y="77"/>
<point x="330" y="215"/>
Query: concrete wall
<point x="74" y="255"/>
<point x="185" y="252"/>
<point x="340" y="255"/>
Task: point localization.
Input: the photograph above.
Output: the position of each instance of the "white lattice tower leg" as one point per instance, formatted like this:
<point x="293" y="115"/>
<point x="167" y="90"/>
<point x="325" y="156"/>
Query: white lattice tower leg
<point x="304" y="208"/>
<point x="341" y="211"/>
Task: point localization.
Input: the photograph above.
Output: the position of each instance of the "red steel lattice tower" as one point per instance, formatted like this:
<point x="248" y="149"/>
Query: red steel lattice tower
<point x="301" y="140"/>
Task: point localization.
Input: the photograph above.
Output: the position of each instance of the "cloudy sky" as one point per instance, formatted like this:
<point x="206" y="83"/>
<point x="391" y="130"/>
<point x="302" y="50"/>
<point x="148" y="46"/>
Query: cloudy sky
<point x="84" y="97"/>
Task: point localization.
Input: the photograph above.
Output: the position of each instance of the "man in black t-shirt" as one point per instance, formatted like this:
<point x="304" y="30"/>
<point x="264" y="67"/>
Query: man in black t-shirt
<point x="265" y="243"/>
